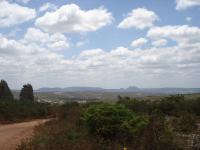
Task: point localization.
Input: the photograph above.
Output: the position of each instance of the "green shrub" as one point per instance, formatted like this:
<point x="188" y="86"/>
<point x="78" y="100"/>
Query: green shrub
<point x="112" y="122"/>
<point x="137" y="106"/>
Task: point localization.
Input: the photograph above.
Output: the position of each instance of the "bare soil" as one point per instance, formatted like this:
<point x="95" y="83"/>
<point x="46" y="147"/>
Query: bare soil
<point x="12" y="134"/>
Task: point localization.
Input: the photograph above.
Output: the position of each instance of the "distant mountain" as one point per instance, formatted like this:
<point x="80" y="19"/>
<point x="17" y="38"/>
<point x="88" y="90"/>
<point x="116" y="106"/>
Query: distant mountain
<point x="83" y="89"/>
<point x="71" y="89"/>
<point x="121" y="90"/>
<point x="46" y="89"/>
<point x="133" y="88"/>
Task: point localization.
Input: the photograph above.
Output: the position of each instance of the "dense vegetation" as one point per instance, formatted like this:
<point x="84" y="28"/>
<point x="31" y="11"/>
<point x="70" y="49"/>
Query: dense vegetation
<point x="26" y="93"/>
<point x="171" y="105"/>
<point x="131" y="123"/>
<point x="5" y="92"/>
<point x="112" y="122"/>
<point x="13" y="110"/>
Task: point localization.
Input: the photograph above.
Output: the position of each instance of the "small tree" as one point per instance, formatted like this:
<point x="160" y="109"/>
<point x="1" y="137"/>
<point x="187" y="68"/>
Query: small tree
<point x="26" y="93"/>
<point x="5" y="92"/>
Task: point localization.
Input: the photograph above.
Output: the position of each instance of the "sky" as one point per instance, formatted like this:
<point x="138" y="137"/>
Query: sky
<point x="100" y="43"/>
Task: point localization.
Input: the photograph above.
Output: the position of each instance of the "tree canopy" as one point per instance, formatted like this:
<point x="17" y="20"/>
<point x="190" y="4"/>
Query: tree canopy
<point x="26" y="93"/>
<point x="5" y="92"/>
<point x="112" y="121"/>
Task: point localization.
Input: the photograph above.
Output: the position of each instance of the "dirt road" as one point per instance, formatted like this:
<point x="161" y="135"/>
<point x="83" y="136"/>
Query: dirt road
<point x="12" y="134"/>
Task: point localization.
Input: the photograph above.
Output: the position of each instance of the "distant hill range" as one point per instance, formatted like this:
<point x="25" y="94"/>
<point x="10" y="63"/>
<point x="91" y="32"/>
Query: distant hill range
<point x="122" y="90"/>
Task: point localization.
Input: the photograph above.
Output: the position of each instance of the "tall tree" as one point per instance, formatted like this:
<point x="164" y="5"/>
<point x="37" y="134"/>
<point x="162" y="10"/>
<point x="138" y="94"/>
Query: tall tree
<point x="26" y="93"/>
<point x="5" y="92"/>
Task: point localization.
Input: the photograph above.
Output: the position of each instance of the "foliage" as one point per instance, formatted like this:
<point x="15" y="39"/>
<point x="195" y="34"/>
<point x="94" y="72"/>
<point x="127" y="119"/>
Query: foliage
<point x="5" y="92"/>
<point x="106" y="126"/>
<point x="157" y="135"/>
<point x="67" y="132"/>
<point x="26" y="93"/>
<point x="13" y="111"/>
<point x="171" y="105"/>
<point x="186" y="123"/>
<point x="66" y="110"/>
<point x="64" y="132"/>
<point x="112" y="121"/>
<point x="137" y="106"/>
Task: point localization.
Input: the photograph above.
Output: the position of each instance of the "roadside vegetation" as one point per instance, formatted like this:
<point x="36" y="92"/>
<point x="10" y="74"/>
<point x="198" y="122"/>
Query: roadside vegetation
<point x="131" y="123"/>
<point x="135" y="124"/>
<point x="24" y="108"/>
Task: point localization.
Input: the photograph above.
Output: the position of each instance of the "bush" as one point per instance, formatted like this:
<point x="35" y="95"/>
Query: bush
<point x="135" y="105"/>
<point x="186" y="123"/>
<point x="171" y="105"/>
<point x="14" y="110"/>
<point x="157" y="135"/>
<point x="67" y="110"/>
<point x="112" y="122"/>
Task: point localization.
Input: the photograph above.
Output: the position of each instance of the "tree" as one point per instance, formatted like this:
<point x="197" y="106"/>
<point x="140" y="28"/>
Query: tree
<point x="5" y="92"/>
<point x="26" y="93"/>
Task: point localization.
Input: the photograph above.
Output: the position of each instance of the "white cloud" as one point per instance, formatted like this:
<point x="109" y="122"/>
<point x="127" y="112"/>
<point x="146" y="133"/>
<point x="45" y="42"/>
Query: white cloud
<point x="47" y="6"/>
<point x="36" y="35"/>
<point x="6" y="46"/>
<point x="58" y="42"/>
<point x="119" y="67"/>
<point x="12" y="14"/>
<point x="184" y="4"/>
<point x="139" y="42"/>
<point x="70" y="18"/>
<point x="160" y="42"/>
<point x="139" y="18"/>
<point x="55" y="41"/>
<point x="181" y="34"/>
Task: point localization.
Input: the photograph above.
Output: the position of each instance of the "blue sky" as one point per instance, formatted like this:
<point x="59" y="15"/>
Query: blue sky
<point x="145" y="43"/>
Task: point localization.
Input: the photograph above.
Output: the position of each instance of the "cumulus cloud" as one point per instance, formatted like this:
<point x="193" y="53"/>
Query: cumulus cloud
<point x="70" y="18"/>
<point x="35" y="58"/>
<point x="55" y="41"/>
<point x="139" y="18"/>
<point x="117" y="67"/>
<point x="6" y="46"/>
<point x="184" y="4"/>
<point x="47" y="6"/>
<point x="12" y="14"/>
<point x="139" y="42"/>
<point x="26" y="56"/>
<point x="183" y="34"/>
<point x="160" y="42"/>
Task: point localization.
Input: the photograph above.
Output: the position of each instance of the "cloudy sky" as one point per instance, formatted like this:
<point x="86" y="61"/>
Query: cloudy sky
<point x="104" y="43"/>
